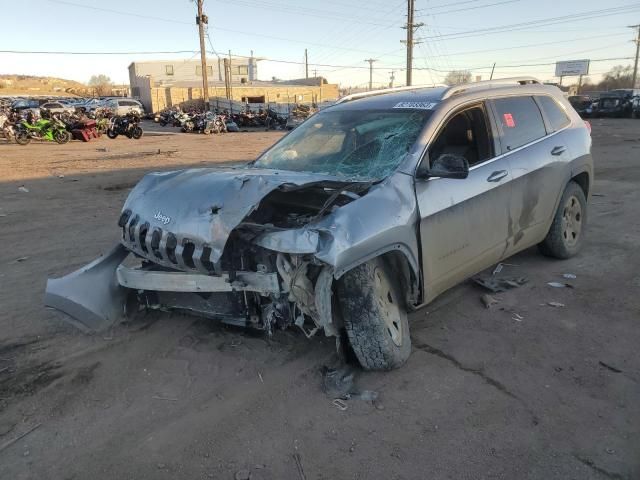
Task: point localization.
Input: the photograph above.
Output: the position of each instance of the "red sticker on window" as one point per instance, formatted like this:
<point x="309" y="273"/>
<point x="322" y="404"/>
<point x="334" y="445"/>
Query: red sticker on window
<point x="509" y="121"/>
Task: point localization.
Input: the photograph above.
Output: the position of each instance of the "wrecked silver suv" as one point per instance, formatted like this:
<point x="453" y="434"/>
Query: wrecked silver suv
<point x="368" y="210"/>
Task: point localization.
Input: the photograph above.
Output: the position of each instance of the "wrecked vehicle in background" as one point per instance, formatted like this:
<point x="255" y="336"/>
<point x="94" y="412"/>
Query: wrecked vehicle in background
<point x="368" y="210"/>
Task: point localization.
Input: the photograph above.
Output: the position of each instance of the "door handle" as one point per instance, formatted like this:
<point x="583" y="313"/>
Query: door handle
<point x="558" y="150"/>
<point x="497" y="176"/>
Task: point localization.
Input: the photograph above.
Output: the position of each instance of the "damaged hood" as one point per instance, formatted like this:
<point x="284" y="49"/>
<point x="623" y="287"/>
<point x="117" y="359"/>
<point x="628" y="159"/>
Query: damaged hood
<point x="204" y="205"/>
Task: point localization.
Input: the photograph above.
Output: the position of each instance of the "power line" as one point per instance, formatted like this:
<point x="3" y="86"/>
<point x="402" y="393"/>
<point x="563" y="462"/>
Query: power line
<point x="556" y="42"/>
<point x="304" y="11"/>
<point x="386" y="67"/>
<point x="468" y="8"/>
<point x="130" y="14"/>
<point x="544" y="22"/>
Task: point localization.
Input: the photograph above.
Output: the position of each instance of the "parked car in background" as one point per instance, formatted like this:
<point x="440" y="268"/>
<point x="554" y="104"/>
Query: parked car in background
<point x="616" y="103"/>
<point x="122" y="106"/>
<point x="635" y="107"/>
<point x="58" y="107"/>
<point x="90" y="105"/>
<point x="583" y="104"/>
<point x="368" y="210"/>
<point x="28" y="103"/>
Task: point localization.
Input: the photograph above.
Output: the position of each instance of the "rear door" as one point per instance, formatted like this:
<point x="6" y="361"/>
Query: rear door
<point x="536" y="152"/>
<point x="464" y="223"/>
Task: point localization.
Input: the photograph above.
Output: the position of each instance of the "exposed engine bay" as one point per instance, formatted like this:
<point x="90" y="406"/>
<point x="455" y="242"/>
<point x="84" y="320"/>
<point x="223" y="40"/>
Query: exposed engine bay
<point x="239" y="245"/>
<point x="259" y="288"/>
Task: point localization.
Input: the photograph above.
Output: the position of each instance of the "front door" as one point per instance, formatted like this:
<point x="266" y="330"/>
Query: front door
<point x="464" y="223"/>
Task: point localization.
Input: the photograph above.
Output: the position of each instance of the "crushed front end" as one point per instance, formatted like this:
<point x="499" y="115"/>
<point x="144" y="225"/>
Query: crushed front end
<point x="237" y="245"/>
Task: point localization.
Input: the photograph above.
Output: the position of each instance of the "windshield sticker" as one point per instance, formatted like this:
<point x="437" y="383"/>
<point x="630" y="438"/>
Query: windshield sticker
<point x="418" y="105"/>
<point x="509" y="121"/>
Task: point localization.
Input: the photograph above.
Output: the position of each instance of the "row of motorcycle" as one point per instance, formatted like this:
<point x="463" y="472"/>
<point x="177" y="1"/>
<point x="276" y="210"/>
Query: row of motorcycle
<point x="61" y="127"/>
<point x="221" y="122"/>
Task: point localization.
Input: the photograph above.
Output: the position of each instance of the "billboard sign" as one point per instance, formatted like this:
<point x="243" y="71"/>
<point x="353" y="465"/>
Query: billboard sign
<point x="572" y="68"/>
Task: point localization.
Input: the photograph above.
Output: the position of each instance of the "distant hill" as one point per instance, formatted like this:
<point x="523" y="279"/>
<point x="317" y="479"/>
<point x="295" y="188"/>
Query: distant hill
<point x="32" y="85"/>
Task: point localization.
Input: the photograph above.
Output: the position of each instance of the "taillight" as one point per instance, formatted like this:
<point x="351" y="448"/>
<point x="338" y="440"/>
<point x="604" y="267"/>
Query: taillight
<point x="588" y="124"/>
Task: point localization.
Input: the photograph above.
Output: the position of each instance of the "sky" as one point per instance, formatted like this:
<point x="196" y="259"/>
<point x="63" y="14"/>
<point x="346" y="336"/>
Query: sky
<point x="522" y="37"/>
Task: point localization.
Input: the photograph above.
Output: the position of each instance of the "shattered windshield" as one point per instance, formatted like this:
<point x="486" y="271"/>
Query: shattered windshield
<point x="361" y="144"/>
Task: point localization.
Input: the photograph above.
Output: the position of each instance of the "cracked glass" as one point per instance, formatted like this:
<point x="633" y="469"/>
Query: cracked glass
<point x="354" y="144"/>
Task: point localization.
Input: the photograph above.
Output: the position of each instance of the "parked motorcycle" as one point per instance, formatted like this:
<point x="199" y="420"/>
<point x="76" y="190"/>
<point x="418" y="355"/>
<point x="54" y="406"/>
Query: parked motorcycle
<point x="7" y="125"/>
<point x="50" y="129"/>
<point x="127" y="125"/>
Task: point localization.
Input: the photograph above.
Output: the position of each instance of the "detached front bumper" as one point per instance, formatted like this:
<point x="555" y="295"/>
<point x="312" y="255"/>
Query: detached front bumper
<point x="94" y="297"/>
<point x="91" y="296"/>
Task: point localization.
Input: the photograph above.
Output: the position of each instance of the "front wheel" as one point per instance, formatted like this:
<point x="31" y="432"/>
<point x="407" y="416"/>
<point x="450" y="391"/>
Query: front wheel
<point x="22" y="138"/>
<point x="565" y="236"/>
<point x="136" y="133"/>
<point x="374" y="316"/>
<point x="62" y="136"/>
<point x="111" y="133"/>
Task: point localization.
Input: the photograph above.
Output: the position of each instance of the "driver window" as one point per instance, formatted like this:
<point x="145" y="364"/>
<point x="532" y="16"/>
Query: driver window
<point x="466" y="134"/>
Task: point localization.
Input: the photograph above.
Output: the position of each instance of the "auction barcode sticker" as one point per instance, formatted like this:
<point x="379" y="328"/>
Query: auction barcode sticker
<point x="418" y="105"/>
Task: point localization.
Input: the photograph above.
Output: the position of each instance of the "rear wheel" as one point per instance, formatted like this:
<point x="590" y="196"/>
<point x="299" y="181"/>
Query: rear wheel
<point x="136" y="133"/>
<point x="564" y="239"/>
<point x="111" y="133"/>
<point x="374" y="316"/>
<point x="22" y="138"/>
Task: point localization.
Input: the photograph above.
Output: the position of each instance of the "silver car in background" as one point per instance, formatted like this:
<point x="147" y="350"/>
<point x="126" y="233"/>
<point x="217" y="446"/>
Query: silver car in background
<point x="368" y="210"/>
<point x="122" y="106"/>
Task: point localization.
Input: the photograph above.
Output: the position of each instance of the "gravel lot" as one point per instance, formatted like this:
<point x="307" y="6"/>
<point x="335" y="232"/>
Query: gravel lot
<point x="553" y="396"/>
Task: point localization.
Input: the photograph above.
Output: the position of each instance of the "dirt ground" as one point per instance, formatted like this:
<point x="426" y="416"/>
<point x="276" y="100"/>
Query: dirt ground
<point x="555" y="395"/>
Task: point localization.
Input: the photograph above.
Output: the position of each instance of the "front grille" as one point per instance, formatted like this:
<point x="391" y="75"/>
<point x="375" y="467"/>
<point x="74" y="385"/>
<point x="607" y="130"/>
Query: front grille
<point x="164" y="247"/>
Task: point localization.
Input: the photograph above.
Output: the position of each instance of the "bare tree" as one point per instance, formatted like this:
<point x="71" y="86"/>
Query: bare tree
<point x="101" y="84"/>
<point x="456" y="77"/>
<point x="618" y="77"/>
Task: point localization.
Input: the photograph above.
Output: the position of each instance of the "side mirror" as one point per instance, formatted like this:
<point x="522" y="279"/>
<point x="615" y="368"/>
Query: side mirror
<point x="448" y="165"/>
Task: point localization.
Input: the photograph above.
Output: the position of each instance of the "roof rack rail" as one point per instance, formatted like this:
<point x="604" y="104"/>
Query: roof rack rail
<point x="457" y="89"/>
<point x="372" y="93"/>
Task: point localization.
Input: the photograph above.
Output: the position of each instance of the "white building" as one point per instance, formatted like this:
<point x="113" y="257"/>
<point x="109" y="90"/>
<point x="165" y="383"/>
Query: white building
<point x="169" y="72"/>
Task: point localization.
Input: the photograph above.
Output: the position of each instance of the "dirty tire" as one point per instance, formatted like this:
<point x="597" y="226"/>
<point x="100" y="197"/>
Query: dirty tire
<point x="62" y="136"/>
<point x="566" y="234"/>
<point x="374" y="316"/>
<point x="22" y="138"/>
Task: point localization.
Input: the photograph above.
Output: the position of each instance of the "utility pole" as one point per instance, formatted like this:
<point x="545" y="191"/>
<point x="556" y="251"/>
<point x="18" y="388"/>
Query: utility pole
<point x="370" y="60"/>
<point x="201" y="21"/>
<point x="635" y="66"/>
<point x="230" y="80"/>
<point x="306" y="64"/>
<point x="227" y="90"/>
<point x="410" y="42"/>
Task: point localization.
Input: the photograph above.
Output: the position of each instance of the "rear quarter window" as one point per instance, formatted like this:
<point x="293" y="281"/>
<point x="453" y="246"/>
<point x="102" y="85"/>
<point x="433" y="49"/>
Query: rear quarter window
<point x="520" y="120"/>
<point x="554" y="112"/>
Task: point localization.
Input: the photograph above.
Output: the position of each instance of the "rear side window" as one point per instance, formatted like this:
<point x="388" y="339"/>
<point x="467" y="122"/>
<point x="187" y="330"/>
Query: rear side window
<point x="555" y="114"/>
<point x="128" y="103"/>
<point x="521" y="121"/>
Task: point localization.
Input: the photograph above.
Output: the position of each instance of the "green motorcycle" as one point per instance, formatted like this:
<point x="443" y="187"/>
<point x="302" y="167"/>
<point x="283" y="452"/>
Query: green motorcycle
<point x="52" y="130"/>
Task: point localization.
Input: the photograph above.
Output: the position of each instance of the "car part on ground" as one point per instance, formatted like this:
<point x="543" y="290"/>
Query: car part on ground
<point x="370" y="208"/>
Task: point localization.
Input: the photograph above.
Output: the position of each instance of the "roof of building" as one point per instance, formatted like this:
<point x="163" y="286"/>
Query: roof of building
<point x="248" y="84"/>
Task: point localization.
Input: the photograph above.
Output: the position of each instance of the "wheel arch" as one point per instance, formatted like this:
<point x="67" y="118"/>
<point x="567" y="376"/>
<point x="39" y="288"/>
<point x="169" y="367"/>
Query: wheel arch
<point x="584" y="181"/>
<point x="398" y="258"/>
